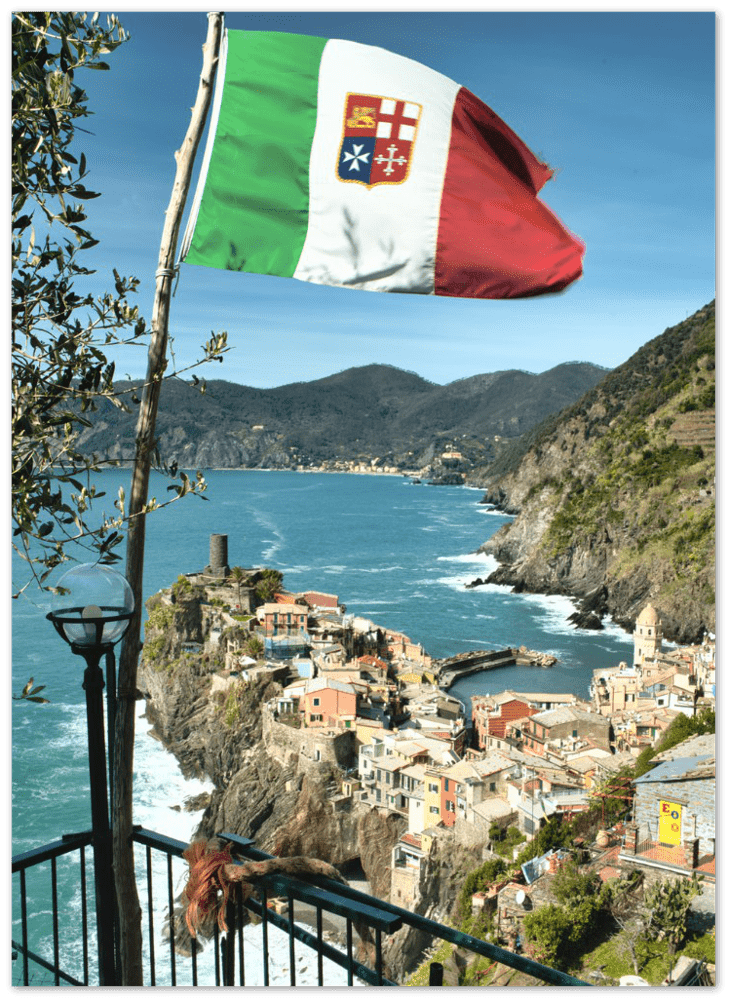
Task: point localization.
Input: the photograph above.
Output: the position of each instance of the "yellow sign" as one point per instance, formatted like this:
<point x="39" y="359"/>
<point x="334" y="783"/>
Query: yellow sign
<point x="669" y="822"/>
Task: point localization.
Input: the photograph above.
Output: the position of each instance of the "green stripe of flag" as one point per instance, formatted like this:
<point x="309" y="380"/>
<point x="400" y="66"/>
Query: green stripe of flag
<point x="254" y="210"/>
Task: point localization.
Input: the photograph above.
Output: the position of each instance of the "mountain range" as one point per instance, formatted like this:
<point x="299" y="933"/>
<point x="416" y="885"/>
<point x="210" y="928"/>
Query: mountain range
<point x="375" y="412"/>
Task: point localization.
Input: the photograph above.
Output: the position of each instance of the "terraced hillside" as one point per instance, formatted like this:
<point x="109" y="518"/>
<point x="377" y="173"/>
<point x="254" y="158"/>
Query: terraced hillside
<point x="616" y="496"/>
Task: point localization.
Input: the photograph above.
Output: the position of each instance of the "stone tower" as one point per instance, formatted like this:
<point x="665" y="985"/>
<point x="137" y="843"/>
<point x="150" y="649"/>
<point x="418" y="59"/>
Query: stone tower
<point x="218" y="556"/>
<point x="648" y="635"/>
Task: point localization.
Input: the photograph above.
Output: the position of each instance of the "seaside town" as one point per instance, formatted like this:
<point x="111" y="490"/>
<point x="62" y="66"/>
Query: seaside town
<point x="372" y="702"/>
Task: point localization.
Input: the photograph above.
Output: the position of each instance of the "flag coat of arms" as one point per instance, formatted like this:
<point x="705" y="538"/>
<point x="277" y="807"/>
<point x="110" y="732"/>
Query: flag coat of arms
<point x="378" y="139"/>
<point x="345" y="164"/>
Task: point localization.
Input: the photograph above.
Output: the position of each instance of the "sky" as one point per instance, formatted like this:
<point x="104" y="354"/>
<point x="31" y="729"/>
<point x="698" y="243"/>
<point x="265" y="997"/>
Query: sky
<point x="622" y="105"/>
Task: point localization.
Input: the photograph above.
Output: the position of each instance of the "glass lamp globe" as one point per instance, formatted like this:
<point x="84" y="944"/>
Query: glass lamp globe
<point x="92" y="606"/>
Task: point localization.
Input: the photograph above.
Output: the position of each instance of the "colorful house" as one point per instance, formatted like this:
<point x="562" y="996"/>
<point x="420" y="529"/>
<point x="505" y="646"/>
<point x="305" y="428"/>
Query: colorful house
<point x="563" y="725"/>
<point x="675" y="802"/>
<point x="491" y="716"/>
<point x="284" y="619"/>
<point x="329" y="703"/>
<point x="432" y="798"/>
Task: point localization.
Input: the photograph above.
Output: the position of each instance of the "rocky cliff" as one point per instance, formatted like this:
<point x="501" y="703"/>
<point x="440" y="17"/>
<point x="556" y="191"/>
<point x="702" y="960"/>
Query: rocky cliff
<point x="268" y="787"/>
<point x="272" y="798"/>
<point x="615" y="496"/>
<point x="213" y="723"/>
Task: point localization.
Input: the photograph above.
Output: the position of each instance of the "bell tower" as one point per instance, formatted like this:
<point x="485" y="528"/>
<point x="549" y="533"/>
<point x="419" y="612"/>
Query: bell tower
<point x="648" y="635"/>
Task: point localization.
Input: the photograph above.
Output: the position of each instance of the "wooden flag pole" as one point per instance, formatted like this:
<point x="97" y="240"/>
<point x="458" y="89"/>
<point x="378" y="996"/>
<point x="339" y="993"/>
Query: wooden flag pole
<point x="130" y="914"/>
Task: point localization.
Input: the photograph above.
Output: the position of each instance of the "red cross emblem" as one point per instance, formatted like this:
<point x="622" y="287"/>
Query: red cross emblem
<point x="378" y="139"/>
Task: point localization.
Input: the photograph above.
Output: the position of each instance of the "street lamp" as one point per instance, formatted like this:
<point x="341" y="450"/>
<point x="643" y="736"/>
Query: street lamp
<point x="92" y="608"/>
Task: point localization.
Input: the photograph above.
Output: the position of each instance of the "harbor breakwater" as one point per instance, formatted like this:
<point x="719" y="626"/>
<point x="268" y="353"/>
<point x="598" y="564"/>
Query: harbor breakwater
<point x="452" y="669"/>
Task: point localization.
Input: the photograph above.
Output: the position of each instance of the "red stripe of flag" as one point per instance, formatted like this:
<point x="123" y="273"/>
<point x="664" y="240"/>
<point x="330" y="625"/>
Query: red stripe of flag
<point x="496" y="239"/>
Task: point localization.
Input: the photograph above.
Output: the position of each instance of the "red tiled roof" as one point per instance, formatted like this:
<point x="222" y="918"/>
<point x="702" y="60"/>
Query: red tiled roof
<point x="608" y="872"/>
<point x="708" y="867"/>
<point x="374" y="661"/>
<point x="670" y="855"/>
<point x="411" y="838"/>
<point x="320" y="599"/>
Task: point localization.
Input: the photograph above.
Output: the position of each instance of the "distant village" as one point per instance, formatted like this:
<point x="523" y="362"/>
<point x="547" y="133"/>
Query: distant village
<point x="369" y="700"/>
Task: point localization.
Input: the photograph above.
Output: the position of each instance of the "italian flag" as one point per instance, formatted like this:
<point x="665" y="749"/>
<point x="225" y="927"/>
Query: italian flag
<point x="345" y="164"/>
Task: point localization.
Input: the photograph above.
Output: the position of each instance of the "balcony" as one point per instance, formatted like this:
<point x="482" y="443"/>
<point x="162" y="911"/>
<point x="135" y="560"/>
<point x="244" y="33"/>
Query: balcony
<point x="51" y="948"/>
<point x="678" y="859"/>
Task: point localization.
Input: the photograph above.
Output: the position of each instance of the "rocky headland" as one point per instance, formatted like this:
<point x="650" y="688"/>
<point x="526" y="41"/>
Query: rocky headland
<point x="221" y="728"/>
<point x="301" y="783"/>
<point x="614" y="498"/>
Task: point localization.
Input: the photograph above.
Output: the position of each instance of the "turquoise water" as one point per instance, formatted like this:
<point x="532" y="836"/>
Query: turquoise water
<point x="393" y="551"/>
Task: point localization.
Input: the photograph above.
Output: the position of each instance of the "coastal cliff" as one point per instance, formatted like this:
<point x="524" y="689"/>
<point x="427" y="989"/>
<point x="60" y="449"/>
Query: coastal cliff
<point x="218" y="727"/>
<point x="261" y="791"/>
<point x="269" y="784"/>
<point x="615" y="498"/>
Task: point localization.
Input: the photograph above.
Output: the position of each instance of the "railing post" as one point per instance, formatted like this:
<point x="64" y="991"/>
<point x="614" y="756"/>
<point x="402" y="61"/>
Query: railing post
<point x="103" y="874"/>
<point x="435" y="975"/>
<point x="227" y="944"/>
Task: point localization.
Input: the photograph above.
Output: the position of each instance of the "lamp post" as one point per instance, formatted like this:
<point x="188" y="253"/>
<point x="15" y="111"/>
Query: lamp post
<point x="92" y="607"/>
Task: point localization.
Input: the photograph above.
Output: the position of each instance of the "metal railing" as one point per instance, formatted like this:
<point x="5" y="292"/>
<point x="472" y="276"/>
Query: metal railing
<point x="31" y="961"/>
<point x="326" y="900"/>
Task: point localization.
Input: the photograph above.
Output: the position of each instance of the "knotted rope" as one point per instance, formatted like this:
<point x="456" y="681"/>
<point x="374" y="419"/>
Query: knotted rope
<point x="213" y="875"/>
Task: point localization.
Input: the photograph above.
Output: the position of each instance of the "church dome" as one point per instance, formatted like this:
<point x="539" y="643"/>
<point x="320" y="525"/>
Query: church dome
<point x="648" y="616"/>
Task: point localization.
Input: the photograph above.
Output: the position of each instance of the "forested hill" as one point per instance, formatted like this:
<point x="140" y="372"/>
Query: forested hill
<point x="374" y="412"/>
<point x="615" y="496"/>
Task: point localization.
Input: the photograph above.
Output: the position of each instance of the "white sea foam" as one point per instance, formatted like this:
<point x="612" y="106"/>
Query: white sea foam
<point x="275" y="543"/>
<point x="482" y="559"/>
<point x="482" y="564"/>
<point x="159" y="787"/>
<point x="389" y="603"/>
<point x="556" y="610"/>
<point x="391" y="612"/>
<point x="459" y="583"/>
<point x="380" y="569"/>
<point x="71" y="731"/>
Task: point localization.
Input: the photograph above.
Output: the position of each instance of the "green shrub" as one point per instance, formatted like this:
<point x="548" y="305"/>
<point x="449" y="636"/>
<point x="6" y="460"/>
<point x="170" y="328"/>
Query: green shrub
<point x="232" y="707"/>
<point x="548" y="931"/>
<point x="552" y="835"/>
<point x="161" y="617"/>
<point x="181" y="586"/>
<point x="669" y="902"/>
<point x="478" y="881"/>
<point x="509" y="839"/>
<point x="702" y="947"/>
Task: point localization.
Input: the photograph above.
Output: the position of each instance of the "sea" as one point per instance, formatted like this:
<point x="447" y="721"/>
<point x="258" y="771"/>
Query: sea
<point x="392" y="550"/>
